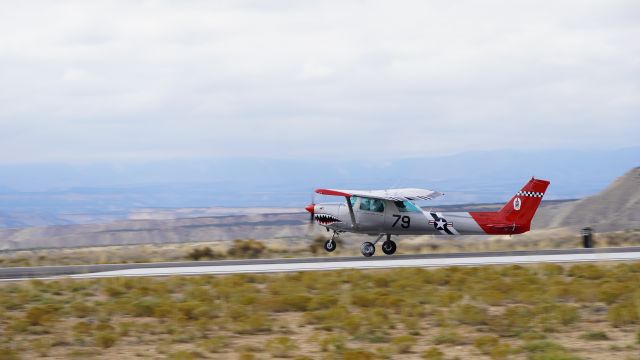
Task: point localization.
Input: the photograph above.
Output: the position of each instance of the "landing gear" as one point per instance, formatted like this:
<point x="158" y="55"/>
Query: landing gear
<point x="367" y="249"/>
<point x="389" y="247"/>
<point x="330" y="245"/>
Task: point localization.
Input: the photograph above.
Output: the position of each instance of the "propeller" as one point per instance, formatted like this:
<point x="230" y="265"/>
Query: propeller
<point x="311" y="208"/>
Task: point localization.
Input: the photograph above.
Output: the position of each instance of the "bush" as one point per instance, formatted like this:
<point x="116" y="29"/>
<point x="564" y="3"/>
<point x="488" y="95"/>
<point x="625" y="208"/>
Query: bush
<point x="41" y="315"/>
<point x="203" y="253"/>
<point x="403" y="343"/>
<point x="470" y="314"/>
<point x="448" y="337"/>
<point x="247" y="249"/>
<point x="595" y="336"/>
<point x="281" y="346"/>
<point x="215" y="344"/>
<point x="358" y="354"/>
<point x="547" y="350"/>
<point x="433" y="353"/>
<point x="623" y="314"/>
<point x="485" y="343"/>
<point x="105" y="339"/>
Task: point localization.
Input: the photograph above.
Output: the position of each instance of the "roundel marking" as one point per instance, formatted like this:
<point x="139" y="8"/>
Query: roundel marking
<point x="517" y="203"/>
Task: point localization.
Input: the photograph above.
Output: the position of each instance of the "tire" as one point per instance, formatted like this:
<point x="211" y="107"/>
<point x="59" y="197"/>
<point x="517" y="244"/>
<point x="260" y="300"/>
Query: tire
<point x="389" y="247"/>
<point x="330" y="245"/>
<point x="367" y="249"/>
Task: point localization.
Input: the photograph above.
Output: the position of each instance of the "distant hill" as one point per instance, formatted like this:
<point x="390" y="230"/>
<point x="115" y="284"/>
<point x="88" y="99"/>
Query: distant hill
<point x="59" y="194"/>
<point x="616" y="207"/>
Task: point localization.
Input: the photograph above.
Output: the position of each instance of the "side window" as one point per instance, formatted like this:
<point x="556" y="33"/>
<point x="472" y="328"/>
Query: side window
<point x="377" y="205"/>
<point x="353" y="200"/>
<point x="365" y="204"/>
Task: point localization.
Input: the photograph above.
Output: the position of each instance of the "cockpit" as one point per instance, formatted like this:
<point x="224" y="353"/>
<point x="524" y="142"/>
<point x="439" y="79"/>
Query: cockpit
<point x="367" y="204"/>
<point x="377" y="205"/>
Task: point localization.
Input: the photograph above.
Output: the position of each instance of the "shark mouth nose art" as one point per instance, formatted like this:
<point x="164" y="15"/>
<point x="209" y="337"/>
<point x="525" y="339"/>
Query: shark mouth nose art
<point x="326" y="219"/>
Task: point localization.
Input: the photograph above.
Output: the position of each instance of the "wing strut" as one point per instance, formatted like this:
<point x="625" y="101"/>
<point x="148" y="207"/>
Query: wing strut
<point x="353" y="216"/>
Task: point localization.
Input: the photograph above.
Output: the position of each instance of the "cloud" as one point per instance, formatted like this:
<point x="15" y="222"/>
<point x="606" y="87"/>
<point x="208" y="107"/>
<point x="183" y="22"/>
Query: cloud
<point x="118" y="80"/>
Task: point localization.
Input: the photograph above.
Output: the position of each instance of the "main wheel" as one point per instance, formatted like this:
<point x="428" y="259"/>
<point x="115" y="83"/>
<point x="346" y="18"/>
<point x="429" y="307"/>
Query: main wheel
<point x="330" y="245"/>
<point x="389" y="247"/>
<point x="367" y="249"/>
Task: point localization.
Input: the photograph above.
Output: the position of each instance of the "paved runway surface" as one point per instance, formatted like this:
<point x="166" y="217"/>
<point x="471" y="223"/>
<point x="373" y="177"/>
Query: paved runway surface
<point x="322" y="263"/>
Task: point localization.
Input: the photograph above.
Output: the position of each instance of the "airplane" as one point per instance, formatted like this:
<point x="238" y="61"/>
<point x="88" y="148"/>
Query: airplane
<point x="393" y="212"/>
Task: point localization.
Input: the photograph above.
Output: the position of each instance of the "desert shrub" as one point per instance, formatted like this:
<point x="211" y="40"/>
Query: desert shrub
<point x="41" y="314"/>
<point x="515" y="320"/>
<point x="547" y="350"/>
<point x="433" y="353"/>
<point x="611" y="292"/>
<point x="204" y="252"/>
<point x="358" y="354"/>
<point x="587" y="271"/>
<point x="105" y="339"/>
<point x="532" y="335"/>
<point x="554" y="315"/>
<point x="491" y="297"/>
<point x="447" y="298"/>
<point x="403" y="343"/>
<point x="255" y="323"/>
<point x="623" y="314"/>
<point x="281" y="346"/>
<point x="81" y="309"/>
<point x="486" y="343"/>
<point x="246" y="356"/>
<point x="448" y="337"/>
<point x="82" y="328"/>
<point x="247" y="249"/>
<point x="185" y="355"/>
<point x="638" y="337"/>
<point x="284" y="303"/>
<point x="595" y="336"/>
<point x="335" y="343"/>
<point x="215" y="344"/>
<point x="469" y="314"/>
<point x="8" y="353"/>
<point x="363" y="299"/>
<point x="41" y="346"/>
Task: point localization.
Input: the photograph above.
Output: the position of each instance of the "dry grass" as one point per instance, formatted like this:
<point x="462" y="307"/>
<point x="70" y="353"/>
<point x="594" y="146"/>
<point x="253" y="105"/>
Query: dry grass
<point x="512" y="312"/>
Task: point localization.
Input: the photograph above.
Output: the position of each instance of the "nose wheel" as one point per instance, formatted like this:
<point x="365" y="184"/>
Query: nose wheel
<point x="330" y="245"/>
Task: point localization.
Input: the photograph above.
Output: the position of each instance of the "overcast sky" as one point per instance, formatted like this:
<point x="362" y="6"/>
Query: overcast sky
<point x="144" y="80"/>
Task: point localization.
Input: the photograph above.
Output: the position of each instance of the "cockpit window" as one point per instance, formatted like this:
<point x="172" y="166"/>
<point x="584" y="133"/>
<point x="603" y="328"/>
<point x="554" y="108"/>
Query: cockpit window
<point x="368" y="204"/>
<point x="406" y="206"/>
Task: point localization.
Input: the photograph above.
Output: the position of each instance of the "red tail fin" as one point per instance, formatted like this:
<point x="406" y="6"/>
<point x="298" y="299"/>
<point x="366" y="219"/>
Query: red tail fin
<point x="516" y="215"/>
<point x="521" y="208"/>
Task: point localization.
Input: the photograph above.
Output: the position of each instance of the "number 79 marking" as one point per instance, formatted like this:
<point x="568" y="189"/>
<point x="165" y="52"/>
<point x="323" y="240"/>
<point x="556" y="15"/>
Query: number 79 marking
<point x="405" y="221"/>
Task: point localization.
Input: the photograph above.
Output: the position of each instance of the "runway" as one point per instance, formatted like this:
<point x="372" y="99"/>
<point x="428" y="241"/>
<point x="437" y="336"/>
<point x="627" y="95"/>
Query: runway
<point x="320" y="263"/>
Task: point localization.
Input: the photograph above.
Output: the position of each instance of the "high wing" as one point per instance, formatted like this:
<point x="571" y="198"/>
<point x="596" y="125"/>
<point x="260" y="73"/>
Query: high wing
<point x="390" y="194"/>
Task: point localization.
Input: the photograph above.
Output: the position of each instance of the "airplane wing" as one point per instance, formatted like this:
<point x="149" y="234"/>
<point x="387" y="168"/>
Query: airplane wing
<point x="390" y="194"/>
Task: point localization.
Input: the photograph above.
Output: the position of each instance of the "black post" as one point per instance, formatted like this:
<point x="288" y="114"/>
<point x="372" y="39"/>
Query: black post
<point x="587" y="237"/>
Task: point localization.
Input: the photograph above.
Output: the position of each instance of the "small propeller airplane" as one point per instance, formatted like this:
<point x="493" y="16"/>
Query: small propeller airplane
<point x="393" y="212"/>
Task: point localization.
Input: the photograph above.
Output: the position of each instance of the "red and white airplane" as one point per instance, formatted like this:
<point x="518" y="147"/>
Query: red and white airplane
<point x="392" y="212"/>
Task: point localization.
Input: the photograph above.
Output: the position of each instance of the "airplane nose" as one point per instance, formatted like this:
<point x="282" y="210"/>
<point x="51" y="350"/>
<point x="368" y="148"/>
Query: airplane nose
<point x="310" y="208"/>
